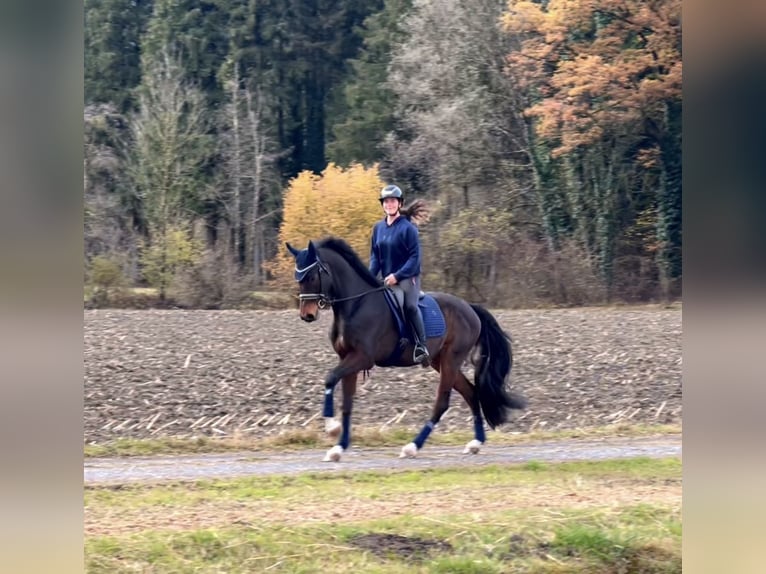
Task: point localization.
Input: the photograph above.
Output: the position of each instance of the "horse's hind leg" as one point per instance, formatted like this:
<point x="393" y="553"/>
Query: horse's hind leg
<point x="348" y="384"/>
<point x="466" y="389"/>
<point x="440" y="407"/>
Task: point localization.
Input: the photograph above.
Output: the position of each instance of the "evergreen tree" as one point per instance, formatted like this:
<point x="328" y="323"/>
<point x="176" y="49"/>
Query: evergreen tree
<point x="197" y="31"/>
<point x="313" y="41"/>
<point x="112" y="50"/>
<point x="366" y="110"/>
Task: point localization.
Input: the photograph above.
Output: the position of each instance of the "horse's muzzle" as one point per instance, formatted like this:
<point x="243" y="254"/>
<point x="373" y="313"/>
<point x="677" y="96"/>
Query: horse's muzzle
<point x="309" y="317"/>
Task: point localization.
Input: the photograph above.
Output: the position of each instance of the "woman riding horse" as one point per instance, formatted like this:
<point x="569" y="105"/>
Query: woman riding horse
<point x="395" y="254"/>
<point x="364" y="333"/>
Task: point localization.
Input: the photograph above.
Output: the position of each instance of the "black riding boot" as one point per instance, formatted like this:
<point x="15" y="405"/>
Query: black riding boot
<point x="420" y="355"/>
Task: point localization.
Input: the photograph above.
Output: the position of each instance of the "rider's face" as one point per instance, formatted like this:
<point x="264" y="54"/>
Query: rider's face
<point x="390" y="205"/>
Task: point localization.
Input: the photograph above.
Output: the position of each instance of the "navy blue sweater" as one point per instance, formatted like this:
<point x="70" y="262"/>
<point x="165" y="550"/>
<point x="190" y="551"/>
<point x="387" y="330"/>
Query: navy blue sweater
<point x="395" y="249"/>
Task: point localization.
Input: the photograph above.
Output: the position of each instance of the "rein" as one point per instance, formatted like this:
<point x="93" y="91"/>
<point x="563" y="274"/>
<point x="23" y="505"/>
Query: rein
<point x="323" y="300"/>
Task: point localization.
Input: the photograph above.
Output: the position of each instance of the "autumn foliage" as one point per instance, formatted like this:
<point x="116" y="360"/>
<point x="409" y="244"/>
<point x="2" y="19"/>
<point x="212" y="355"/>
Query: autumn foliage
<point x="596" y="68"/>
<point x="340" y="202"/>
<point x="600" y="82"/>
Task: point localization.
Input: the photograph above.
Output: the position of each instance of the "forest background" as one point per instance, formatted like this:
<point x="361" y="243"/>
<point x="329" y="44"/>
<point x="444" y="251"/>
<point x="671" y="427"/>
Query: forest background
<point x="546" y="136"/>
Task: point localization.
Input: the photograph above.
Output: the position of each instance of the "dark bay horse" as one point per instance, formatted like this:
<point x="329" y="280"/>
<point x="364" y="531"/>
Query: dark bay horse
<point x="364" y="333"/>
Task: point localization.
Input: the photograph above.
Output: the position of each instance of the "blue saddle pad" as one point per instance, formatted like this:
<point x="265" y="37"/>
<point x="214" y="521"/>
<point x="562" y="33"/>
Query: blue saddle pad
<point x="433" y="319"/>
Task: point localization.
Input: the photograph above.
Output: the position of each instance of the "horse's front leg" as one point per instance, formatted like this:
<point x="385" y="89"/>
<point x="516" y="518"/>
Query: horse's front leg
<point x="349" y="390"/>
<point x="349" y="365"/>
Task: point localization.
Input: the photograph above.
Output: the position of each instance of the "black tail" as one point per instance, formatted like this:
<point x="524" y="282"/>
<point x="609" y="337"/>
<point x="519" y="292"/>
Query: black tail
<point x="492" y="370"/>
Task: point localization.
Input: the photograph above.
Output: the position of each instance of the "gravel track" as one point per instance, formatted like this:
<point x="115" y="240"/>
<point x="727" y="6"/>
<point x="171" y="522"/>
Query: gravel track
<point x="210" y="466"/>
<point x="174" y="373"/>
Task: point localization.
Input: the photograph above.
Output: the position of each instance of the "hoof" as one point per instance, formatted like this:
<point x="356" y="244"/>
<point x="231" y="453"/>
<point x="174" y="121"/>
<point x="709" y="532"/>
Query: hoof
<point x="409" y="451"/>
<point x="331" y="427"/>
<point x="333" y="455"/>
<point x="472" y="447"/>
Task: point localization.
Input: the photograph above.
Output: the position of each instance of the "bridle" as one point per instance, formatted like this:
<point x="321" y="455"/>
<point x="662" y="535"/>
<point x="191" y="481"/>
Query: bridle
<point x="323" y="301"/>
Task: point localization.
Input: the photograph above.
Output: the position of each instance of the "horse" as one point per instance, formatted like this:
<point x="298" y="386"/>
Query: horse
<point x="364" y="333"/>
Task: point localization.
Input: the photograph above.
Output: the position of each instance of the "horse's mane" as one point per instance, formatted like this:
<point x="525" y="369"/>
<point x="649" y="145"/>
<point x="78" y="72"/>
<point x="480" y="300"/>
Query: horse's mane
<point x="344" y="250"/>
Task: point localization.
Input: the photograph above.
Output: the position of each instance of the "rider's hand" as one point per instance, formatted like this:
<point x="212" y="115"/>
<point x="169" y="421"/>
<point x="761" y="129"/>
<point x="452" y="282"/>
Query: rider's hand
<point x="390" y="280"/>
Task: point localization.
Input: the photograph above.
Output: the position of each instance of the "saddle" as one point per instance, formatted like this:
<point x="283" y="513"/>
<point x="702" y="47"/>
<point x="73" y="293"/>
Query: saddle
<point x="433" y="319"/>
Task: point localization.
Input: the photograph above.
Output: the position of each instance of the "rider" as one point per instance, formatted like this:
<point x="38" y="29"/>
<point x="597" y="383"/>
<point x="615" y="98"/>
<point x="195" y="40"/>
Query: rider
<point x="395" y="253"/>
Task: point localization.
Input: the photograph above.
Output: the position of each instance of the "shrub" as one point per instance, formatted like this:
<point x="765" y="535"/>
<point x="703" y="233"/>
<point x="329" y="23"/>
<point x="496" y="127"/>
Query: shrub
<point x="340" y="202"/>
<point x="105" y="280"/>
<point x="213" y="281"/>
<point x="167" y="255"/>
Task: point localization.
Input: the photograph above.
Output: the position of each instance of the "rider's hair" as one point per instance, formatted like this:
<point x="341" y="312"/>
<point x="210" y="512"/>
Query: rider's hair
<point x="418" y="212"/>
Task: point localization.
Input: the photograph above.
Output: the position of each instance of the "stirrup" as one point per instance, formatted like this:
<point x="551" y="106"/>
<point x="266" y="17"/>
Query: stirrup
<point x="420" y="354"/>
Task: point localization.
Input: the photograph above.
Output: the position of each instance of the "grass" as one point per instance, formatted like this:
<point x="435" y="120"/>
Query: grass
<point x="613" y="546"/>
<point x="503" y="518"/>
<point x="315" y="488"/>
<point x="363" y="437"/>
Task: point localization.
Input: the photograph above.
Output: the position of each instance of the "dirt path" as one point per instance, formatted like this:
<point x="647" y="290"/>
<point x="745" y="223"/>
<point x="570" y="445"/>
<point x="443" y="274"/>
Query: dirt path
<point x="149" y="469"/>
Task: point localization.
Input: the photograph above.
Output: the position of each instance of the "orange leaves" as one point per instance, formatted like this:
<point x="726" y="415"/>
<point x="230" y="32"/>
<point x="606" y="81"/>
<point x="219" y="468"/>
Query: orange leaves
<point x="524" y="16"/>
<point x="593" y="67"/>
<point x="341" y="202"/>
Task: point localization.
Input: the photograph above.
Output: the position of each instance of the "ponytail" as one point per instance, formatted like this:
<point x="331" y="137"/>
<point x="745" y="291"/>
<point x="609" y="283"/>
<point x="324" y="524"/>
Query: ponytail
<point x="418" y="212"/>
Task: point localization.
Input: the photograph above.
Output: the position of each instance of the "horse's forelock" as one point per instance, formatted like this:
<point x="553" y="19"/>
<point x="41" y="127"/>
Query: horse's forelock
<point x="344" y="250"/>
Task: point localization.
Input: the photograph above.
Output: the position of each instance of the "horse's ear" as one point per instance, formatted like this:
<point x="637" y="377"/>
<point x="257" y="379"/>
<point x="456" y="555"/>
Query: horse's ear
<point x="312" y="250"/>
<point x="292" y="249"/>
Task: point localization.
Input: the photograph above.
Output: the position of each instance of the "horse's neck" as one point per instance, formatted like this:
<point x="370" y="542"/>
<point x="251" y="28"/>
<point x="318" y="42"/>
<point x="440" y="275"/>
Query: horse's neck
<point x="346" y="282"/>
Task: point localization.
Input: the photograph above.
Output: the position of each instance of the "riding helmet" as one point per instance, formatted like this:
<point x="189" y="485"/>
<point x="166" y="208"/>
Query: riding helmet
<point x="391" y="191"/>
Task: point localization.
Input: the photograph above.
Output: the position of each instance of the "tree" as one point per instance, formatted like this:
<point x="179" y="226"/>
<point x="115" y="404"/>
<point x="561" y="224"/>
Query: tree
<point x="112" y="49"/>
<point x="113" y="222"/>
<point x="170" y="144"/>
<point x="198" y="32"/>
<point x="340" y="202"/>
<point x="458" y="135"/>
<point x="603" y="81"/>
<point x="456" y="131"/>
<point x="367" y="114"/>
<point x="251" y="180"/>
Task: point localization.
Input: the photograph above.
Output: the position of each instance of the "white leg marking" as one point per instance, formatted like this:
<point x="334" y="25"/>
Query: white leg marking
<point x="409" y="451"/>
<point x="331" y="426"/>
<point x="333" y="455"/>
<point x="472" y="447"/>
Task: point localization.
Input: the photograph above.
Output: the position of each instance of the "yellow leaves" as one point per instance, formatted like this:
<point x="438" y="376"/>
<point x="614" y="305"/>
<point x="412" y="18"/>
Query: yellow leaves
<point x="168" y="253"/>
<point x="340" y="202"/>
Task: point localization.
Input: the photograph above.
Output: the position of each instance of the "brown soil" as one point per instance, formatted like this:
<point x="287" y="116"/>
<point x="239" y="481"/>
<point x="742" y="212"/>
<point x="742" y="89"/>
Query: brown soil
<point x="388" y="545"/>
<point x="161" y="373"/>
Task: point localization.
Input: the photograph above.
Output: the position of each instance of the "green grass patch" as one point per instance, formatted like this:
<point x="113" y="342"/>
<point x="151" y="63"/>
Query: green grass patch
<point x="493" y="519"/>
<point x="503" y="541"/>
<point x="362" y="437"/>
<point x="374" y="485"/>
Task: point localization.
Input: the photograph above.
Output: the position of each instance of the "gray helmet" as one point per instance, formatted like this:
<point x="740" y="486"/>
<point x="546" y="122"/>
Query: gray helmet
<point x="391" y="191"/>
